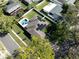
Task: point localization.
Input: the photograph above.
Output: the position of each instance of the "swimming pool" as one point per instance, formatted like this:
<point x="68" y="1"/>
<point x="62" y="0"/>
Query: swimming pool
<point x="24" y="22"/>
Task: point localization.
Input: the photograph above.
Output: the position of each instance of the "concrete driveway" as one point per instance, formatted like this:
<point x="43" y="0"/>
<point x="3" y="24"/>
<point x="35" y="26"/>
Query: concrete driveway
<point x="9" y="43"/>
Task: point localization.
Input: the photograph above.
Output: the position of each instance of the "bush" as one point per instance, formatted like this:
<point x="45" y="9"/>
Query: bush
<point x="65" y="8"/>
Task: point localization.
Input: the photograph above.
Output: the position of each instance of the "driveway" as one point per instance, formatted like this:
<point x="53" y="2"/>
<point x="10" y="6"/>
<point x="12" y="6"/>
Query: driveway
<point x="9" y="43"/>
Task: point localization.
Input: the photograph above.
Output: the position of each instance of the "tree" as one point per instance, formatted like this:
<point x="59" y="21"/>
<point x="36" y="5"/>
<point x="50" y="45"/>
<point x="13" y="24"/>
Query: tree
<point x="5" y="22"/>
<point x="77" y="4"/>
<point x="72" y="19"/>
<point x="9" y="57"/>
<point x="59" y="32"/>
<point x="38" y="49"/>
<point x="3" y="2"/>
<point x="65" y="7"/>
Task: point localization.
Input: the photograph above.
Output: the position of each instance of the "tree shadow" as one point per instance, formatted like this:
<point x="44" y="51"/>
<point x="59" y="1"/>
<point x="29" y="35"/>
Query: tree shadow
<point x="3" y="34"/>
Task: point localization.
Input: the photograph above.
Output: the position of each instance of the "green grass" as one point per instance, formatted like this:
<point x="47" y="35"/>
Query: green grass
<point x="17" y="39"/>
<point x="24" y="38"/>
<point x="22" y="4"/>
<point x="3" y="2"/>
<point x="16" y="28"/>
<point x="40" y="7"/>
<point x="33" y="4"/>
<point x="31" y="14"/>
<point x="20" y="33"/>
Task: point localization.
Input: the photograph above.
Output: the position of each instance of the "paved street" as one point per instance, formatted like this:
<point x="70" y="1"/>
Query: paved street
<point x="9" y="43"/>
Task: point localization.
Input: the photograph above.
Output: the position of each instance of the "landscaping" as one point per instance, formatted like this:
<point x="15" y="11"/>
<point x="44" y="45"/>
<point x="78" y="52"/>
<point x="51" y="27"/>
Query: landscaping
<point x="3" y="2"/>
<point x="21" y="34"/>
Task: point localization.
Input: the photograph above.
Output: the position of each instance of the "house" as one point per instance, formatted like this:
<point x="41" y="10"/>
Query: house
<point x="12" y="8"/>
<point x="35" y="26"/>
<point x="30" y="1"/>
<point x="26" y="1"/>
<point x="37" y="1"/>
<point x="64" y="1"/>
<point x="53" y="10"/>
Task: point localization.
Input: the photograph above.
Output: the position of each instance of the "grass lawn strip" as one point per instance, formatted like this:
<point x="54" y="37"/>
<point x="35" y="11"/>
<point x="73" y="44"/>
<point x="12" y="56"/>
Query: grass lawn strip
<point x="41" y="5"/>
<point x="30" y="14"/>
<point x="19" y="38"/>
<point x="16" y="39"/>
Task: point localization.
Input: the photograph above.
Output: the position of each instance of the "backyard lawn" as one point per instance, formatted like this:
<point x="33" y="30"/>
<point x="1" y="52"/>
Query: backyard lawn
<point x="33" y="4"/>
<point x="17" y="39"/>
<point x="20" y="33"/>
<point x="31" y="14"/>
<point x="24" y="38"/>
<point x="41" y="5"/>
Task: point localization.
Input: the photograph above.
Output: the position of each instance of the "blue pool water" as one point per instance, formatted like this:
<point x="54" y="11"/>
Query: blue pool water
<point x="24" y="22"/>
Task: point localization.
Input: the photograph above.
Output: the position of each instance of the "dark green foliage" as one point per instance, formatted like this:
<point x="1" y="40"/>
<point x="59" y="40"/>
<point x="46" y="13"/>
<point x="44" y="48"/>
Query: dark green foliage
<point x="65" y="8"/>
<point x="38" y="49"/>
<point x="20" y="13"/>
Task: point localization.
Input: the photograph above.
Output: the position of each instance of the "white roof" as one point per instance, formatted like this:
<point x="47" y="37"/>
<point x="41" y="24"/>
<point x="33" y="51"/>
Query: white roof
<point x="49" y="7"/>
<point x="12" y="7"/>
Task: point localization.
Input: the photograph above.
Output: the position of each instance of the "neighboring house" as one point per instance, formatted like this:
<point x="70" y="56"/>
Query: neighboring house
<point x="30" y="1"/>
<point x="37" y="1"/>
<point x="27" y="1"/>
<point x="64" y="1"/>
<point x="12" y="8"/>
<point x="34" y="26"/>
<point x="54" y="10"/>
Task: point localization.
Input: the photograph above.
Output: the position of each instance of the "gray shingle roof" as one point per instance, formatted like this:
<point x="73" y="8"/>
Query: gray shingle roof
<point x="11" y="7"/>
<point x="28" y="1"/>
<point x="65" y="1"/>
<point x="56" y="10"/>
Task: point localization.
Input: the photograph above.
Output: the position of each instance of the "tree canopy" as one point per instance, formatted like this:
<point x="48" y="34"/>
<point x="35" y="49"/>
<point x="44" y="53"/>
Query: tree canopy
<point x="5" y="21"/>
<point x="38" y="49"/>
<point x="3" y="2"/>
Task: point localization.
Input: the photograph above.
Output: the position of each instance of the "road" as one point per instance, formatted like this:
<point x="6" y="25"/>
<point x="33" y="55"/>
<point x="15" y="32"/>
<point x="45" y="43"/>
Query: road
<point x="9" y="43"/>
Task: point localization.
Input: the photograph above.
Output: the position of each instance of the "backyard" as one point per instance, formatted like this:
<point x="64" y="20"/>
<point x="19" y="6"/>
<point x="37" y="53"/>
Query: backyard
<point x="16" y="28"/>
<point x="41" y="5"/>
<point x="21" y="34"/>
